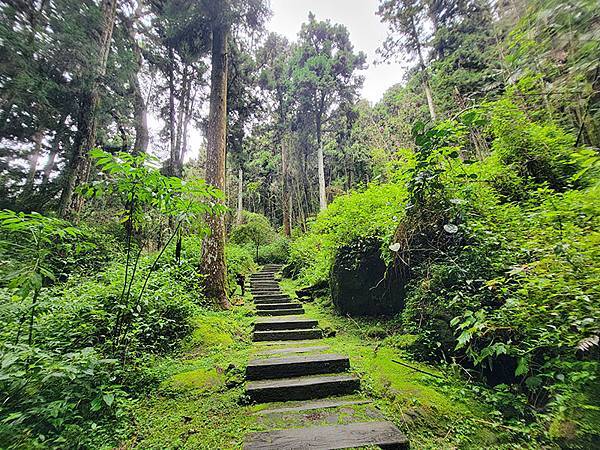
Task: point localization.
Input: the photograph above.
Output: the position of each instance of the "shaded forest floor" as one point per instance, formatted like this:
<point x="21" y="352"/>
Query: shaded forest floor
<point x="200" y="402"/>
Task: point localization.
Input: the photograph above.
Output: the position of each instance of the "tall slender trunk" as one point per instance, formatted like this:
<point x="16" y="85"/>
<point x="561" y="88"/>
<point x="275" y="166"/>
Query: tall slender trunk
<point x="321" y="168"/>
<point x="78" y="167"/>
<point x="285" y="147"/>
<point x="140" y="113"/>
<point x="186" y="122"/>
<point x="34" y="157"/>
<point x="49" y="167"/>
<point x="426" y="86"/>
<point x="240" y="200"/>
<point x="140" y="116"/>
<point x="172" y="133"/>
<point x="214" y="265"/>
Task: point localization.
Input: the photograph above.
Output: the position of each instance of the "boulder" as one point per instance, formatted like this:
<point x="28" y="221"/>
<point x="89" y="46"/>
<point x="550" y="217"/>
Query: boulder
<point x="360" y="283"/>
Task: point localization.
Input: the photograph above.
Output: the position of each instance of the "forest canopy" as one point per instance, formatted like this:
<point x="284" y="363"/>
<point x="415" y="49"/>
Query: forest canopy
<point x="455" y="220"/>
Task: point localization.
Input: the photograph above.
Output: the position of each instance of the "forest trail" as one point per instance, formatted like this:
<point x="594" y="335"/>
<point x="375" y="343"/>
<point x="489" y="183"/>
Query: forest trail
<point x="290" y="366"/>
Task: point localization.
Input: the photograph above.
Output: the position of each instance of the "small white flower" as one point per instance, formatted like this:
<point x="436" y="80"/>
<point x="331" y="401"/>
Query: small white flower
<point x="450" y="228"/>
<point x="395" y="247"/>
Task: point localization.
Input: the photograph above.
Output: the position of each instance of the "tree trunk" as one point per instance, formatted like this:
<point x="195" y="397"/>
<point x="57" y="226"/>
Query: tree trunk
<point x="77" y="170"/>
<point x="140" y="114"/>
<point x="214" y="264"/>
<point x="240" y="201"/>
<point x="49" y="167"/>
<point x="321" y="169"/>
<point x="322" y="194"/>
<point x="287" y="229"/>
<point x="172" y="137"/>
<point x="424" y="74"/>
<point x="38" y="136"/>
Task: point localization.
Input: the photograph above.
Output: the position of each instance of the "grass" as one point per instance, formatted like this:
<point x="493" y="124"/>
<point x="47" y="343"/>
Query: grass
<point x="200" y="401"/>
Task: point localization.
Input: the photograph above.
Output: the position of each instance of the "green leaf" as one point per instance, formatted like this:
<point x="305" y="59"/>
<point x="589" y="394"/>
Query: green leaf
<point x="108" y="399"/>
<point x="522" y="366"/>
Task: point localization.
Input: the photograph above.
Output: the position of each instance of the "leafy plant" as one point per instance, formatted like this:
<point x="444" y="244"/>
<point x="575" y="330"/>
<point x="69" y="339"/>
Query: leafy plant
<point x="31" y="239"/>
<point x="142" y="189"/>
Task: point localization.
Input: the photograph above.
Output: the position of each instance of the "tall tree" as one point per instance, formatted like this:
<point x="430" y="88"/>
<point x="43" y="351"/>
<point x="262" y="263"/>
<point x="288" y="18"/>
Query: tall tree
<point x="406" y="21"/>
<point x="79" y="165"/>
<point x="222" y="16"/>
<point x="324" y="76"/>
<point x="275" y="79"/>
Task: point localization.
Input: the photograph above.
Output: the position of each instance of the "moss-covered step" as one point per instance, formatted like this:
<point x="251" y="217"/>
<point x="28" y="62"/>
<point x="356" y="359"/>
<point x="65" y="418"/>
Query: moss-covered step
<point x="280" y="312"/>
<point x="301" y="388"/>
<point x="291" y="350"/>
<point x="261" y="297"/>
<point x="289" y="305"/>
<point x="258" y="290"/>
<point x="287" y="335"/>
<point x="281" y="299"/>
<point x="287" y="323"/>
<point x="264" y="286"/>
<point x="296" y="366"/>
<point x="383" y="434"/>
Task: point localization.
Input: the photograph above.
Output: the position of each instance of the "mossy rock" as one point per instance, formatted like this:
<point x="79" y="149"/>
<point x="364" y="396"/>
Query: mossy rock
<point x="360" y="283"/>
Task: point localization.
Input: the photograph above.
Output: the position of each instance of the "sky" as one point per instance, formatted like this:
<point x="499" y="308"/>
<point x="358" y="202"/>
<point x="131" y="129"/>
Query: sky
<point x="366" y="33"/>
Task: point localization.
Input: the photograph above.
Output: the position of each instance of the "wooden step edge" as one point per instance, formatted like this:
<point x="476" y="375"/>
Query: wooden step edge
<point x="329" y="437"/>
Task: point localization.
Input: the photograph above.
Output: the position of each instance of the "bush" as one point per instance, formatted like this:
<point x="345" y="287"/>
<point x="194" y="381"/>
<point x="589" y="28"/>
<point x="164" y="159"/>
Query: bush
<point x="239" y="262"/>
<point x="255" y="230"/>
<point x="51" y="399"/>
<point x="374" y="212"/>
<point x="276" y="252"/>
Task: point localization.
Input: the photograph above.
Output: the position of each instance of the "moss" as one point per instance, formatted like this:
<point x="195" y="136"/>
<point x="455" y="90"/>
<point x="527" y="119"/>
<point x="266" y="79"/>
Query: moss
<point x="194" y="380"/>
<point x="219" y="330"/>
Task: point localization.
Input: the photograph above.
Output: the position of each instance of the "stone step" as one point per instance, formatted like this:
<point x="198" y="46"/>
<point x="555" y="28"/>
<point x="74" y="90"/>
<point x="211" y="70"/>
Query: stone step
<point x="287" y="350"/>
<point x="264" y="283"/>
<point x="273" y="300"/>
<point x="296" y="366"/>
<point x="266" y="291"/>
<point x="287" y="335"/>
<point x="267" y="296"/>
<point x="285" y="324"/>
<point x="301" y="388"/>
<point x="288" y="305"/>
<point x="312" y="405"/>
<point x="330" y="437"/>
<point x="280" y="312"/>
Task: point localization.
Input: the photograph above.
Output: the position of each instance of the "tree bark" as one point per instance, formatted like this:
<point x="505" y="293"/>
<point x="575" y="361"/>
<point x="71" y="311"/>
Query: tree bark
<point x="38" y="136"/>
<point x="424" y="74"/>
<point x="321" y="167"/>
<point x="286" y="204"/>
<point x="172" y="133"/>
<point x="49" y="167"/>
<point x="77" y="170"/>
<point x="214" y="265"/>
<point x="240" y="200"/>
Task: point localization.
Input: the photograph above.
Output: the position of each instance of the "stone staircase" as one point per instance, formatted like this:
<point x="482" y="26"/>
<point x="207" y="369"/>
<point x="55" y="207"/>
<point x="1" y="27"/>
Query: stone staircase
<point x="297" y="369"/>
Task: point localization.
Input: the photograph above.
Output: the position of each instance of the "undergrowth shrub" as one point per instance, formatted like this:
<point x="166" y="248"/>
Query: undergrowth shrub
<point x="58" y="400"/>
<point x="240" y="262"/>
<point x="277" y="251"/>
<point x="254" y="230"/>
<point x="374" y="212"/>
